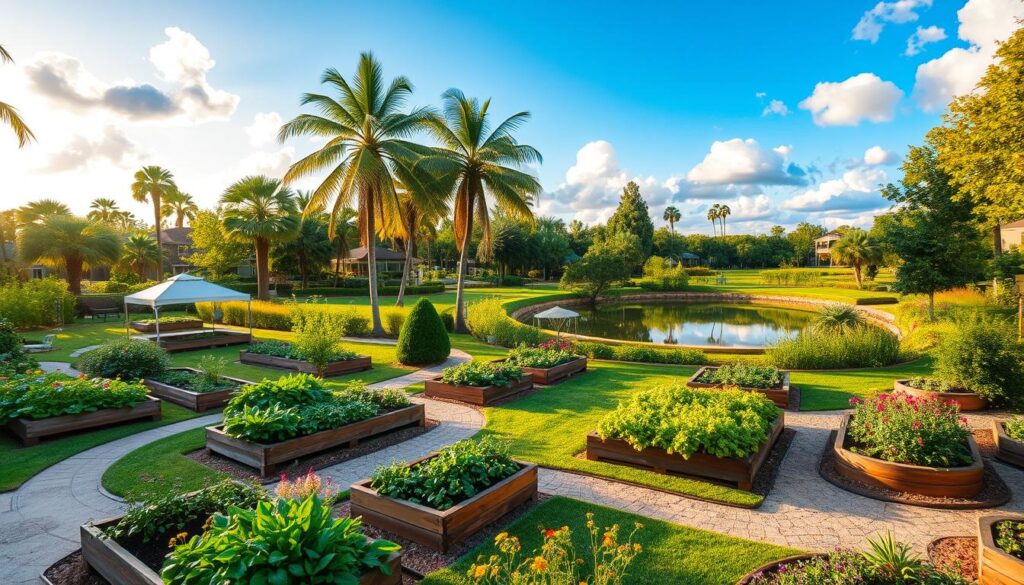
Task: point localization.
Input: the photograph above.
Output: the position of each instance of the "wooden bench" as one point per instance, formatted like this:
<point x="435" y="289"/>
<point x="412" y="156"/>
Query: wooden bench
<point x="104" y="312"/>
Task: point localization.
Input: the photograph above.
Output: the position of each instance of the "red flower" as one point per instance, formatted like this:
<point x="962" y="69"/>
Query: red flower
<point x="920" y="442"/>
<point x="549" y="533"/>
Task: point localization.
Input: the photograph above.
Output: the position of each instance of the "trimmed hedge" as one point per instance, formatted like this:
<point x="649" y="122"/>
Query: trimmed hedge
<point x="641" y="353"/>
<point x="252" y="288"/>
<point x="127" y="359"/>
<point x="363" y="291"/>
<point x="423" y="338"/>
<point x="876" y="301"/>
<point x="280" y="317"/>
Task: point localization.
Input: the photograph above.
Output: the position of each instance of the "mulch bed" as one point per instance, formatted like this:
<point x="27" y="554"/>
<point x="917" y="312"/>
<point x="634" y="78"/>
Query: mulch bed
<point x="419" y="560"/>
<point x="955" y="554"/>
<point x="73" y="570"/>
<point x="316" y="461"/>
<point x="994" y="493"/>
<point x="794" y="398"/>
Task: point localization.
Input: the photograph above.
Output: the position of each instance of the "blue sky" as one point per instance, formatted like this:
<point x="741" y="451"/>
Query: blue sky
<point x="672" y="94"/>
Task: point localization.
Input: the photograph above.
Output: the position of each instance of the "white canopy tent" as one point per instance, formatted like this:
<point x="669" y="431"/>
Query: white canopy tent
<point x="559" y="315"/>
<point x="184" y="289"/>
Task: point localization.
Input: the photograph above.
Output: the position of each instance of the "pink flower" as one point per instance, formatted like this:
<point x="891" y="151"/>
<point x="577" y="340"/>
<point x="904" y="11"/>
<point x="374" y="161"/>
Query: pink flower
<point x="917" y="424"/>
<point x="855" y="401"/>
<point x="920" y="441"/>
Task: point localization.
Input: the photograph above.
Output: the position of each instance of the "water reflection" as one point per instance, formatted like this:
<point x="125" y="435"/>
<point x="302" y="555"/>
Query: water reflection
<point x="693" y="323"/>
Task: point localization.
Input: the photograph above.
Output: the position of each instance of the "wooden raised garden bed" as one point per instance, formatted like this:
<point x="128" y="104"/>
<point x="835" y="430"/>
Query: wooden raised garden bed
<point x="441" y="529"/>
<point x="995" y="566"/>
<point x="202" y="340"/>
<point x="166" y="327"/>
<point x="357" y="364"/>
<point x="939" y="482"/>
<point x="265" y="456"/>
<point x="1007" y="449"/>
<point x="773" y="567"/>
<point x="197" y="401"/>
<point x="478" y="395"/>
<point x="777" y="394"/>
<point x="120" y="567"/>
<point x="30" y="431"/>
<point x="559" y="373"/>
<point x="735" y="471"/>
<point x="968" y="401"/>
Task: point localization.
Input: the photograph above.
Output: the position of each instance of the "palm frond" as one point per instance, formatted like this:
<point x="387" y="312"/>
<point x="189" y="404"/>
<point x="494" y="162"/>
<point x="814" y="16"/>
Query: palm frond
<point x="9" y="116"/>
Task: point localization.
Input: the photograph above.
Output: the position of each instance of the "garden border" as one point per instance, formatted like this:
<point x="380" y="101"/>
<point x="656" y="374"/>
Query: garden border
<point x="777" y="394"/>
<point x="194" y="401"/>
<point x="968" y="401"/>
<point x="1008" y="450"/>
<point x="475" y="395"/>
<point x="30" y="431"/>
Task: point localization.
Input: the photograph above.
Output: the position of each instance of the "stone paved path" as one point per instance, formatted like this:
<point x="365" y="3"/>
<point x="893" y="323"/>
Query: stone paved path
<point x="55" y="367"/>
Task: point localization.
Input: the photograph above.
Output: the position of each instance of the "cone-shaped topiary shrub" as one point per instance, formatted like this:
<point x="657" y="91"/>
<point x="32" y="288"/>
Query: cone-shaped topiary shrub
<point x="423" y="338"/>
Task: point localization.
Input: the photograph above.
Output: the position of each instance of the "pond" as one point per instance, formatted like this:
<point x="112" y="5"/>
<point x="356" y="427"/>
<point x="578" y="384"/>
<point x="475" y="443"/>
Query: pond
<point x="692" y="323"/>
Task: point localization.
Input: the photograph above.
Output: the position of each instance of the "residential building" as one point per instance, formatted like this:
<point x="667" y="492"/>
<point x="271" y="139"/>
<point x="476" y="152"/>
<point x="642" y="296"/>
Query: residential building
<point x="387" y="261"/>
<point x="823" y="248"/>
<point x="1013" y="235"/>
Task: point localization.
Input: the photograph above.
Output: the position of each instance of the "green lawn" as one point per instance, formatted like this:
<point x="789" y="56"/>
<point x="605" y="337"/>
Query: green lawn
<point x="833" y="390"/>
<point x="160" y="468"/>
<point x="672" y="554"/>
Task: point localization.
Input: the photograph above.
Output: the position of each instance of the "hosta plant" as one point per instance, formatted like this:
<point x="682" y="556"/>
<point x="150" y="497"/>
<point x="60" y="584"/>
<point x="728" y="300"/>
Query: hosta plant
<point x="1015" y="428"/>
<point x="539" y="357"/>
<point x="906" y="429"/>
<point x="721" y="423"/>
<point x="282" y="542"/>
<point x="745" y="375"/>
<point x="482" y="374"/>
<point x="40" y="395"/>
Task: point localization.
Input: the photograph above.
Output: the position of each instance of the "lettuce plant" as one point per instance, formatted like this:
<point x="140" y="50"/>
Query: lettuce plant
<point x="745" y="375"/>
<point x="482" y="374"/>
<point x="539" y="357"/>
<point x="1015" y="428"/>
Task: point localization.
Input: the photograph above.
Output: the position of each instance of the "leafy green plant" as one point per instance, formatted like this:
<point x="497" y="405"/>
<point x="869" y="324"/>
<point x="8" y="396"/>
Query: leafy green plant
<point x="39" y="395"/>
<point x="838" y="318"/>
<point x="128" y="359"/>
<point x="640" y="353"/>
<point x="482" y="374"/>
<point x="332" y="353"/>
<point x="905" y="429"/>
<point x="1010" y="537"/>
<point x="282" y="542"/>
<point x="658" y="275"/>
<point x="745" y="375"/>
<point x="721" y="423"/>
<point x="193" y="381"/>
<point x="458" y="472"/>
<point x="423" y="338"/>
<point x="37" y="303"/>
<point x="262" y="425"/>
<point x="540" y="357"/>
<point x="983" y="356"/>
<point x="933" y="385"/>
<point x="10" y="341"/>
<point x="1015" y="428"/>
<point x="866" y="347"/>
<point x="17" y="362"/>
<point x="286" y="391"/>
<point x="167" y="320"/>
<point x="386" y="399"/>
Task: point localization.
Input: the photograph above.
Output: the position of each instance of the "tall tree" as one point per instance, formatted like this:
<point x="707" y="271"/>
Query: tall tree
<point x="259" y="211"/>
<point x="934" y="235"/>
<point x="36" y="211"/>
<point x="856" y="249"/>
<point x="139" y="253"/>
<point x="802" y="239"/>
<point x="633" y="217"/>
<point x="8" y="235"/>
<point x="483" y="164"/>
<point x="9" y="114"/>
<point x="345" y="233"/>
<point x="551" y="245"/>
<point x="417" y="208"/>
<point x="672" y="215"/>
<point x="103" y="209"/>
<point x="580" y="237"/>
<point x="713" y="218"/>
<point x="69" y="242"/>
<point x="310" y="251"/>
<point x="723" y="212"/>
<point x="179" y="205"/>
<point x="152" y="183"/>
<point x="365" y="153"/>
<point x="605" y="264"/>
<point x="215" y="254"/>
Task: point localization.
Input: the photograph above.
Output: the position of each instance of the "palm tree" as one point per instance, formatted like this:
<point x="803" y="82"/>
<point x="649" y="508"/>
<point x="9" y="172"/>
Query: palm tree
<point x="713" y="218"/>
<point x="9" y="114"/>
<point x="723" y="212"/>
<point x="153" y="183"/>
<point x="103" y="209"/>
<point x="180" y="205"/>
<point x="481" y="163"/>
<point x="672" y="215"/>
<point x="8" y="233"/>
<point x="70" y="242"/>
<point x="416" y="210"/>
<point x="856" y="248"/>
<point x="344" y="234"/>
<point x="365" y="153"/>
<point x="259" y="210"/>
<point x="39" y="210"/>
<point x="139" y="253"/>
<point x="124" y="220"/>
<point x="311" y="249"/>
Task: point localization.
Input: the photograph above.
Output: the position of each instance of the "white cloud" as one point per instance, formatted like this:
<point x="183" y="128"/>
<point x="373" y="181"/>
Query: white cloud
<point x="111" y="146"/>
<point x="184" y="60"/>
<point x="748" y="208"/>
<point x="921" y="37"/>
<point x="878" y="156"/>
<point x="744" y="162"/>
<point x="264" y="127"/>
<point x="775" y="107"/>
<point x="873" y="21"/>
<point x="849" y="102"/>
<point x="272" y="164"/>
<point x="982" y="24"/>
<point x="856" y="190"/>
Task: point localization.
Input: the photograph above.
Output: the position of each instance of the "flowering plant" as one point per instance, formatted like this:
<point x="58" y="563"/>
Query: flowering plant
<point x="306" y="485"/>
<point x="559" y="344"/>
<point x="556" y="563"/>
<point x="906" y="429"/>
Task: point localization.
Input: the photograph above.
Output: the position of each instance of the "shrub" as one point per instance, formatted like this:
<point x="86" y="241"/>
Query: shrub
<point x="448" y="318"/>
<point x="721" y="423"/>
<point x="659" y="276"/>
<point x="984" y="357"/>
<point x="790" y="277"/>
<point x="482" y="374"/>
<point x="597" y="351"/>
<point x="37" y="303"/>
<point x="699" y="271"/>
<point x="487" y="318"/>
<point x="745" y="375"/>
<point x="10" y="341"/>
<point x="540" y="357"/>
<point x="39" y="395"/>
<point x="170" y="514"/>
<point x="317" y="340"/>
<point x="906" y="429"/>
<point x="867" y="347"/>
<point x="286" y="350"/>
<point x="641" y="353"/>
<point x="838" y="318"/>
<point x="265" y="315"/>
<point x="286" y="541"/>
<point x="392" y="321"/>
<point x="17" y="362"/>
<point x="932" y="385"/>
<point x="1010" y="537"/>
<point x="129" y="359"/>
<point x="423" y="338"/>
<point x="457" y="473"/>
<point x="1015" y="428"/>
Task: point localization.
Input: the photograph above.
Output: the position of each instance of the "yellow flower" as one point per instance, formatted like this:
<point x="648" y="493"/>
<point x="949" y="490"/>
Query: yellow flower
<point x="637" y="547"/>
<point x="608" y="540"/>
<point x="539" y="564"/>
<point x="480" y="571"/>
<point x="494" y="571"/>
<point x="500" y="537"/>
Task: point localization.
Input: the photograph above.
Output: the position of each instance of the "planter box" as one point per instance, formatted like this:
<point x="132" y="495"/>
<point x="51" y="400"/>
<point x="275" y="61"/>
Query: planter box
<point x="441" y="529"/>
<point x="939" y="482"/>
<point x="559" y="373"/>
<point x="166" y="327"/>
<point x="478" y="395"/>
<point x="773" y="567"/>
<point x="265" y="456"/>
<point x="777" y="394"/>
<point x="333" y="369"/>
<point x="197" y="401"/>
<point x="120" y="567"/>
<point x="968" y="401"/>
<point x="220" y="339"/>
<point x="30" y="431"/>
<point x="739" y="472"/>
<point x="996" y="567"/>
<point x="1007" y="449"/>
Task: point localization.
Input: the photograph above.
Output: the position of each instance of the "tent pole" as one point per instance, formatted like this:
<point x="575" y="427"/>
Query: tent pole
<point x="156" y="313"/>
<point x="126" y="318"/>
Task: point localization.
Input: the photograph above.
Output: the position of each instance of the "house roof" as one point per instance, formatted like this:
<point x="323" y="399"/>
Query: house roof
<point x="382" y="254"/>
<point x="175" y="236"/>
<point x="183" y="289"/>
<point x="1013" y="224"/>
<point x="689" y="256"/>
<point x="832" y="235"/>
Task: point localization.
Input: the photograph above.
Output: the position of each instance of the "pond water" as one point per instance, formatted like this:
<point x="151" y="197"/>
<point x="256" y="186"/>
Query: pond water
<point x="692" y="323"/>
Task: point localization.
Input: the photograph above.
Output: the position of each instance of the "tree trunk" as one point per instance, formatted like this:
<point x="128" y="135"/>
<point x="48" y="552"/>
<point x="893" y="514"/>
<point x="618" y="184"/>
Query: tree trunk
<point x="155" y="198"/>
<point x="406" y="265"/>
<point x="460" y="310"/>
<point x="73" y="269"/>
<point x="179" y="222"/>
<point x="337" y="262"/>
<point x="262" y="269"/>
<point x="371" y="265"/>
<point x="856" y="273"/>
<point x="997" y="241"/>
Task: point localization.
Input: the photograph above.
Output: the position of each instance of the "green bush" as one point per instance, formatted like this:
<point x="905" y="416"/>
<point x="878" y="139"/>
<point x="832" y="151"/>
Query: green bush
<point x="721" y="423"/>
<point x="10" y="341"/>
<point x="983" y="356"/>
<point x="448" y="318"/>
<point x="659" y="276"/>
<point x="790" y="277"/>
<point x="1010" y="537"/>
<point x="867" y="347"/>
<point x="838" y="318"/>
<point x="128" y="359"/>
<point x="423" y="338"/>
<point x="392" y="320"/>
<point x="39" y="396"/>
<point x="487" y="318"/>
<point x="745" y="375"/>
<point x="318" y="340"/>
<point x="640" y="353"/>
<point x="283" y="316"/>
<point x="1015" y="428"/>
<point x="700" y="271"/>
<point x="540" y="357"/>
<point x="17" y="362"/>
<point x="284" y="541"/>
<point x="297" y="351"/>
<point x="37" y="303"/>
